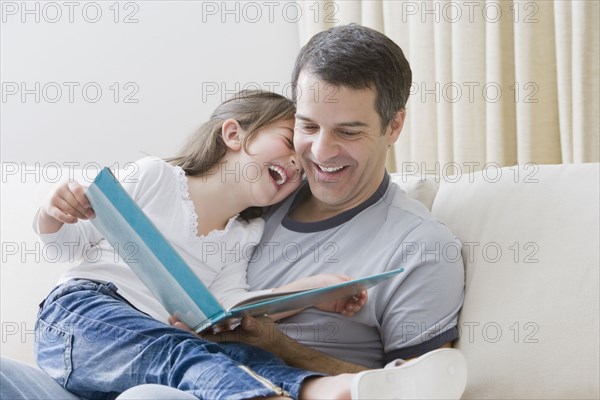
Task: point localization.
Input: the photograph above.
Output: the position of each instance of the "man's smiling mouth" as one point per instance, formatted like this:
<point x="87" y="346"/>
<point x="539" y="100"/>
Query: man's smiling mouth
<point x="329" y="169"/>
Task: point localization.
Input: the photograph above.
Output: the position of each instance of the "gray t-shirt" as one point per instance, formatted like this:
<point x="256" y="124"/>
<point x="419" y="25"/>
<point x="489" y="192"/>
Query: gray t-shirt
<point x="406" y="316"/>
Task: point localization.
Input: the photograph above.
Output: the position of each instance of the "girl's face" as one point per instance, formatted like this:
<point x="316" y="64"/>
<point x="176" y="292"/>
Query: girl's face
<point x="271" y="168"/>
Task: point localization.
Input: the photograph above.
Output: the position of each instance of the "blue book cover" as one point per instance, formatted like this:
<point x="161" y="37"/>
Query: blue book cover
<point x="172" y="281"/>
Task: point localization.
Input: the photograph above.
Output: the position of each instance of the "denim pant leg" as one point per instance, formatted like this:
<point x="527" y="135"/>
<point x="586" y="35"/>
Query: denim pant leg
<point x="97" y="346"/>
<point x="290" y="379"/>
<point x="19" y="381"/>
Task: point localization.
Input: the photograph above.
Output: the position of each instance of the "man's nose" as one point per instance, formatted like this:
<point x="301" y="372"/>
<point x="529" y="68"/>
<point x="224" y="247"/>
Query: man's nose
<point x="324" y="146"/>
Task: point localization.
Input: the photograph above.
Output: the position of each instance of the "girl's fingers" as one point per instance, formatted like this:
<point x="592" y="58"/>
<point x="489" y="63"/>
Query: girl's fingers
<point x="61" y="216"/>
<point x="174" y="321"/>
<point x="79" y="199"/>
<point x="78" y="192"/>
<point x="363" y="297"/>
<point x="70" y="199"/>
<point x="65" y="206"/>
<point x="355" y="304"/>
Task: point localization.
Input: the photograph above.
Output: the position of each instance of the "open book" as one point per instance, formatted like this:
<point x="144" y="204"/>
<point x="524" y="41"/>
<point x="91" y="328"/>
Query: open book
<point x="172" y="281"/>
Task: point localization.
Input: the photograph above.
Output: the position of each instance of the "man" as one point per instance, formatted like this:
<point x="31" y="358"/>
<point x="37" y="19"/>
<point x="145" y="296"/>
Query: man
<point x="352" y="84"/>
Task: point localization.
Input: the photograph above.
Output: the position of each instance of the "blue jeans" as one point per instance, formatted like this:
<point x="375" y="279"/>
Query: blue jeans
<point x="96" y="345"/>
<point x="19" y="381"/>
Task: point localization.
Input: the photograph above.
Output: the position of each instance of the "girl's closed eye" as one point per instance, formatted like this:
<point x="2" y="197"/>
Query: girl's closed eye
<point x="290" y="142"/>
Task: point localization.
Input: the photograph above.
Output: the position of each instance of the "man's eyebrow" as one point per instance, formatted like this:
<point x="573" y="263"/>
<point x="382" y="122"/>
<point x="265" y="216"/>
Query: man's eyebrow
<point x="353" y="124"/>
<point x="358" y="124"/>
<point x="302" y="117"/>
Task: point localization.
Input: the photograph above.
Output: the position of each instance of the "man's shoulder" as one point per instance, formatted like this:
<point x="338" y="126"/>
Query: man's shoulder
<point x="413" y="216"/>
<point x="401" y="200"/>
<point x="395" y="207"/>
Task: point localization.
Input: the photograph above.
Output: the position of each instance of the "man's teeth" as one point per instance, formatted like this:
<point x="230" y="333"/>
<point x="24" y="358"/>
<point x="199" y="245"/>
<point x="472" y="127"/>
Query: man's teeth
<point x="279" y="171"/>
<point x="329" y="169"/>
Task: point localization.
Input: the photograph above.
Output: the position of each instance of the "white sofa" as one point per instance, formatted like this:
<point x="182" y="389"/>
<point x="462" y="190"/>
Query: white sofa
<point x="530" y="323"/>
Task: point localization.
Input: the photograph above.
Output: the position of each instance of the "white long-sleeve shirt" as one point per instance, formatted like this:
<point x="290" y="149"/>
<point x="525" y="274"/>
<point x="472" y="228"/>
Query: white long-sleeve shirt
<point x="219" y="259"/>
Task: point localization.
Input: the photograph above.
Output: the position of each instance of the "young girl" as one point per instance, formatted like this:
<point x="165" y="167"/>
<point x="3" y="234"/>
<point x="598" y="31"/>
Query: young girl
<point x="101" y="331"/>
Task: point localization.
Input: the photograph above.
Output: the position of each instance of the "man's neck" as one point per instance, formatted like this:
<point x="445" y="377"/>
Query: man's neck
<point x="308" y="208"/>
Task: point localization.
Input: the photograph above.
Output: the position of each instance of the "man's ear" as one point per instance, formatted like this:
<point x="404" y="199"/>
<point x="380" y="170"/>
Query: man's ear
<point x="232" y="134"/>
<point x="395" y="126"/>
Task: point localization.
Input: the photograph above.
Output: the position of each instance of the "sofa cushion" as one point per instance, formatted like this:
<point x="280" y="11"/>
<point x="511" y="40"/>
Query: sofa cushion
<point x="417" y="187"/>
<point x="529" y="325"/>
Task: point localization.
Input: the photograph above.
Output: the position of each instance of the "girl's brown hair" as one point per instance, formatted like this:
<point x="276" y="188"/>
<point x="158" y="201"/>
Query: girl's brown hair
<point x="252" y="109"/>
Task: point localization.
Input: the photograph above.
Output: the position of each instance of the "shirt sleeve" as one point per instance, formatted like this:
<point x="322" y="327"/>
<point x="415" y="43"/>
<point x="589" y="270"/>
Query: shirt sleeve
<point x="422" y="306"/>
<point x="143" y="179"/>
<point x="76" y="241"/>
<point x="72" y="241"/>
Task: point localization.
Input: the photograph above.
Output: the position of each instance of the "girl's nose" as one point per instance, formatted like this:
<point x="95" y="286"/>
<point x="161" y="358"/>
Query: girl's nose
<point x="295" y="164"/>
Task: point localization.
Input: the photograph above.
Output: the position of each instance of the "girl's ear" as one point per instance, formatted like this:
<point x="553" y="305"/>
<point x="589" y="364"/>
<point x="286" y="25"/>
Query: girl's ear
<point x="232" y="134"/>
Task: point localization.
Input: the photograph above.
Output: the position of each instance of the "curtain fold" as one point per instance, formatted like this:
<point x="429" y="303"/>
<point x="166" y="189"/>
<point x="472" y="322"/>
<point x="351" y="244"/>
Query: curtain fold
<point x="500" y="82"/>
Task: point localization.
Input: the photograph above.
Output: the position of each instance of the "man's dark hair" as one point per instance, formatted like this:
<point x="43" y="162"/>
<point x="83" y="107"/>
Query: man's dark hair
<point x="360" y="58"/>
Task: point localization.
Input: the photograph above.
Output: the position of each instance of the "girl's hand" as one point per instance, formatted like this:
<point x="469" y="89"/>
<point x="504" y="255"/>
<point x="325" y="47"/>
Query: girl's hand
<point x="347" y="307"/>
<point x="67" y="205"/>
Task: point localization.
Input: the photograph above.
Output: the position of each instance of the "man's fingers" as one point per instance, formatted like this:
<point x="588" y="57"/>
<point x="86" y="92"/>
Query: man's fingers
<point x="249" y="323"/>
<point x="211" y="337"/>
<point x="227" y="336"/>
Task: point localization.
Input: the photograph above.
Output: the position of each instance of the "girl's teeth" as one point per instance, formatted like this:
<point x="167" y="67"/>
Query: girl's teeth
<point x="281" y="172"/>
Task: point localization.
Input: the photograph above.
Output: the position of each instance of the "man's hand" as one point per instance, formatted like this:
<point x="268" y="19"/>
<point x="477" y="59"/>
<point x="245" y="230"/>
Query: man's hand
<point x="263" y="332"/>
<point x="260" y="331"/>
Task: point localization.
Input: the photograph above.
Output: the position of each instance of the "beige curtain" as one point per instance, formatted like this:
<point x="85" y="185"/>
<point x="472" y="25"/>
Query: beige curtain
<point x="494" y="82"/>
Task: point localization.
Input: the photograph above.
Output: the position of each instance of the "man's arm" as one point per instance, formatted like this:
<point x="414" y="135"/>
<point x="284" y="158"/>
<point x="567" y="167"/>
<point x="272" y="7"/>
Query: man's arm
<point x="263" y="332"/>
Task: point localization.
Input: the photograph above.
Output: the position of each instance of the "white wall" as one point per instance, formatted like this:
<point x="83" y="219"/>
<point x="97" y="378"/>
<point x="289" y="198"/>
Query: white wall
<point x="170" y="61"/>
<point x="175" y="55"/>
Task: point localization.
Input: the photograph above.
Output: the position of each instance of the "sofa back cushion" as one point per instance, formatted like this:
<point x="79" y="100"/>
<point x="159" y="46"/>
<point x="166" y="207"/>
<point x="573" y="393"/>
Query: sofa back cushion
<point x="530" y="321"/>
<point x="417" y="187"/>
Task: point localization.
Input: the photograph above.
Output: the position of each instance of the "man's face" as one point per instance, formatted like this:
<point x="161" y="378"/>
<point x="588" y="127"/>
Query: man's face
<point x="338" y="141"/>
